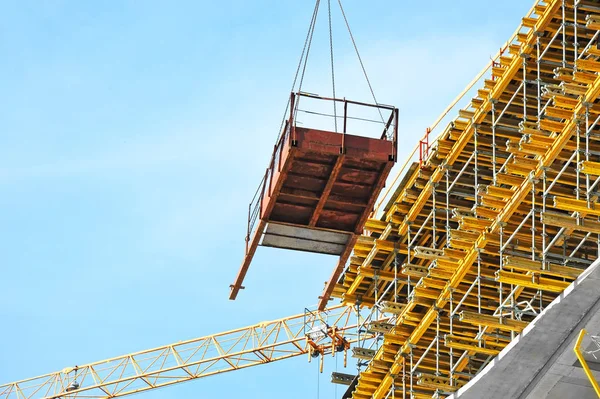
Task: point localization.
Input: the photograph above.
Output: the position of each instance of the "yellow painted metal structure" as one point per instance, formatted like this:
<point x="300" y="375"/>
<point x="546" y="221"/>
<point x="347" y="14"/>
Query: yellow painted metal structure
<point x="583" y="362"/>
<point x="499" y="220"/>
<point x="197" y="358"/>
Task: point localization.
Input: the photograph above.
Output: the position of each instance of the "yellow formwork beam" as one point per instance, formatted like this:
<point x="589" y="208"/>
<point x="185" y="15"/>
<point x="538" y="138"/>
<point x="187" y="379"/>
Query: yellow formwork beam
<point x="414" y="270"/>
<point x="452" y="341"/>
<point x="569" y="222"/>
<point x="380" y="274"/>
<point x="463" y="235"/>
<point x="392" y="307"/>
<point x="375" y="225"/>
<point x="575" y="205"/>
<point x="509" y="180"/>
<point x="528" y="265"/>
<point x="499" y="192"/>
<point x="590" y="168"/>
<point x="428" y="253"/>
<point x="426" y="293"/>
<point x="368" y="260"/>
<point x="531" y="281"/>
<point x="438" y="382"/>
<point x="501" y="323"/>
<point x="589" y="65"/>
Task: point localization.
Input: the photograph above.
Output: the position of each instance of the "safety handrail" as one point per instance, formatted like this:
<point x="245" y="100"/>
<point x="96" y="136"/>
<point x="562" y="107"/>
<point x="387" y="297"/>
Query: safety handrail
<point x="583" y="362"/>
<point x="390" y="133"/>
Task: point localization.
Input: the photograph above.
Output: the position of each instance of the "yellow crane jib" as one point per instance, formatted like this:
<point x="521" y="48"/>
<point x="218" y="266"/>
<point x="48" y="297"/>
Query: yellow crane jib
<point x="320" y="332"/>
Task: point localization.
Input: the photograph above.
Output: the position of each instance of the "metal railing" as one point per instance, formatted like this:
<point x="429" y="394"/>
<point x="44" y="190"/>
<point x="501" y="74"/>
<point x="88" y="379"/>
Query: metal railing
<point x="287" y="137"/>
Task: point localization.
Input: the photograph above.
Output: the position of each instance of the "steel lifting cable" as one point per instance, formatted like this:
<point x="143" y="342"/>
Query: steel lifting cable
<point x="311" y="31"/>
<point x="304" y="61"/>
<point x="303" y="58"/>
<point x="362" y="65"/>
<point x="332" y="68"/>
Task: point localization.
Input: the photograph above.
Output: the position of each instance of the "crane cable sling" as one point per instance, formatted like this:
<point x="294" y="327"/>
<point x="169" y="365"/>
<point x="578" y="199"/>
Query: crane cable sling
<point x="362" y="65"/>
<point x="305" y="50"/>
<point x="332" y="69"/>
<point x="303" y="62"/>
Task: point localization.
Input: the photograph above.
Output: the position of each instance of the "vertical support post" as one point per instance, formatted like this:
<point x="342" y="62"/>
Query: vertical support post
<point x="512" y="287"/>
<point x="396" y="275"/>
<point x="292" y="121"/>
<point x="544" y="200"/>
<point x="424" y="148"/>
<point x="563" y="26"/>
<point x="533" y="219"/>
<point x="524" y="56"/>
<point x="343" y="149"/>
<point x="376" y="295"/>
<point x="578" y="162"/>
<point x="411" y="371"/>
<point x="476" y="169"/>
<point x="479" y="286"/>
<point x="345" y="115"/>
<point x="433" y="218"/>
<point x="500" y="266"/>
<point x="437" y="343"/>
<point x="358" y="334"/>
<point x="404" y="378"/>
<point x="451" y="352"/>
<point x="408" y="286"/>
<point x="494" y="140"/>
<point x="538" y="78"/>
<point x="447" y="170"/>
<point x="587" y="152"/>
<point x="575" y="44"/>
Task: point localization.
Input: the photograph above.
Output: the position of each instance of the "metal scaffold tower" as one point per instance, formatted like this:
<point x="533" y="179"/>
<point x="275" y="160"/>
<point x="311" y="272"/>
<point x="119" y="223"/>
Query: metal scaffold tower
<point x="496" y="219"/>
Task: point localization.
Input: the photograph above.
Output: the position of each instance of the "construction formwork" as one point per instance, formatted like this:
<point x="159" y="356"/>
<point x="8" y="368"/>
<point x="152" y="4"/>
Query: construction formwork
<point x="499" y="216"/>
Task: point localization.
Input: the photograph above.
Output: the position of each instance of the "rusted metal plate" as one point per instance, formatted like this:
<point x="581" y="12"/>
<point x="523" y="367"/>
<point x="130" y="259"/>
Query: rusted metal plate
<point x="324" y="142"/>
<point x="325" y="186"/>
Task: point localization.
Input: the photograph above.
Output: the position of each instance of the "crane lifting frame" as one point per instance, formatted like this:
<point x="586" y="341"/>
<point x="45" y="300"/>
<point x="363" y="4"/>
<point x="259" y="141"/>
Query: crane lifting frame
<point x="320" y="186"/>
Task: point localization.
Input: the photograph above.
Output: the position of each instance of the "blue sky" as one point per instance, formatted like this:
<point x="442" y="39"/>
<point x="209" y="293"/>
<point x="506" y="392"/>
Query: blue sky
<point x="132" y="136"/>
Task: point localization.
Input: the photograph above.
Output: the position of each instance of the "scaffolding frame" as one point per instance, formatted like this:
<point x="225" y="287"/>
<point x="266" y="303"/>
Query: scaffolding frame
<point x="479" y="238"/>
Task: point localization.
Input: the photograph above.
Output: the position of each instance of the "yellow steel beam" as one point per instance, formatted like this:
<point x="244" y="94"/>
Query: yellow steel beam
<point x="531" y="281"/>
<point x="575" y="205"/>
<point x="492" y="321"/>
<point x="590" y="168"/>
<point x="437" y="382"/>
<point x="569" y="222"/>
<point x="372" y="254"/>
<point x="528" y="265"/>
<point x="469" y="344"/>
